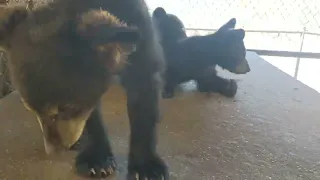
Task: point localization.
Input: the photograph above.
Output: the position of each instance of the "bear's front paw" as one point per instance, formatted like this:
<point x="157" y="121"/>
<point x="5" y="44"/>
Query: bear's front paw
<point x="231" y="89"/>
<point x="153" y="168"/>
<point x="95" y="163"/>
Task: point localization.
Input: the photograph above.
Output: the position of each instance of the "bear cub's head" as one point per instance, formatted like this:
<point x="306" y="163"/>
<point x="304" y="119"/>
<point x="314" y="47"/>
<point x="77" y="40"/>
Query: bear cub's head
<point x="170" y="28"/>
<point x="76" y="57"/>
<point x="227" y="48"/>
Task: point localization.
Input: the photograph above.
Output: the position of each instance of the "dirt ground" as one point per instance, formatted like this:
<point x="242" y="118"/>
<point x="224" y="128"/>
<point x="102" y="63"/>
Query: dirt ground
<point x="271" y="130"/>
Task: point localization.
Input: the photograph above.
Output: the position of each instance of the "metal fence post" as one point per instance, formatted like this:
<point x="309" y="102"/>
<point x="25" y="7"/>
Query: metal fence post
<point x="298" y="58"/>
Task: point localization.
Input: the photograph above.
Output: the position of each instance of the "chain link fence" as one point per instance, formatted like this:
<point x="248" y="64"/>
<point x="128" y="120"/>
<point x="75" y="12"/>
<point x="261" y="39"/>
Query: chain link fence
<point x="5" y="82"/>
<point x="281" y="15"/>
<point x="273" y="25"/>
<point x="270" y="25"/>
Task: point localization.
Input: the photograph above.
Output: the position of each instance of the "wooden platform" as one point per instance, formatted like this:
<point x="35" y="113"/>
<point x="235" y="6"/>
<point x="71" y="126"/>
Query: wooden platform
<point x="271" y="130"/>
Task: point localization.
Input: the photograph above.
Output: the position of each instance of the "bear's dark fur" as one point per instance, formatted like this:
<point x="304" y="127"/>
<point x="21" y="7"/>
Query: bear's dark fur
<point x="169" y="28"/>
<point x="195" y="58"/>
<point x="62" y="56"/>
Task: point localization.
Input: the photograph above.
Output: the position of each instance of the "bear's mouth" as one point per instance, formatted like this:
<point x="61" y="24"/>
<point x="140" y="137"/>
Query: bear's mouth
<point x="60" y="134"/>
<point x="243" y="67"/>
<point x="61" y="128"/>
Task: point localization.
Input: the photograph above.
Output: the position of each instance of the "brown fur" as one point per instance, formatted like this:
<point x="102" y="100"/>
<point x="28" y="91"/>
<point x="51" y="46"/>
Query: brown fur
<point x="94" y="18"/>
<point x="23" y="69"/>
<point x="62" y="57"/>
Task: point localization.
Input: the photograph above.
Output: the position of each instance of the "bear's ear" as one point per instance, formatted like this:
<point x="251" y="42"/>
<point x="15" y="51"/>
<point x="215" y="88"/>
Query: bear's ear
<point x="229" y="25"/>
<point x="238" y="33"/>
<point x="104" y="35"/>
<point x="159" y="12"/>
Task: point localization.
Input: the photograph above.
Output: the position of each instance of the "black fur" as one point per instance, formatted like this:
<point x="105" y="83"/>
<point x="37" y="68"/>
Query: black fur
<point x="169" y="27"/>
<point x="195" y="58"/>
<point x="74" y="75"/>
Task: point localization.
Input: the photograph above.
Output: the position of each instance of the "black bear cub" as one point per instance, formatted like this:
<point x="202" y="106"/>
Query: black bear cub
<point x="62" y="57"/>
<point x="195" y="58"/>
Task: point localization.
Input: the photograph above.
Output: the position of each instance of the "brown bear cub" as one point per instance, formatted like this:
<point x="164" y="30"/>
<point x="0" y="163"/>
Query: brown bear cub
<point x="195" y="58"/>
<point x="62" y="56"/>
